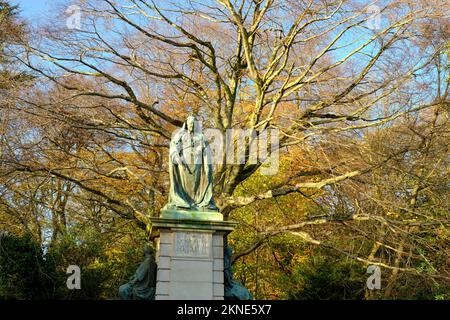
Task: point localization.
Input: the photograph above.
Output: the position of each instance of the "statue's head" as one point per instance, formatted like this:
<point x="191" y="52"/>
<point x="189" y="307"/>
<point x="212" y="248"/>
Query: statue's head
<point x="228" y="251"/>
<point x="148" y="250"/>
<point x="190" y="123"/>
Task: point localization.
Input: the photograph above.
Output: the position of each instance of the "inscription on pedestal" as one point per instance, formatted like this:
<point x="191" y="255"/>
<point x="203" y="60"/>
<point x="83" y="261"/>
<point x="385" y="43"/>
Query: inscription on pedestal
<point x="192" y="244"/>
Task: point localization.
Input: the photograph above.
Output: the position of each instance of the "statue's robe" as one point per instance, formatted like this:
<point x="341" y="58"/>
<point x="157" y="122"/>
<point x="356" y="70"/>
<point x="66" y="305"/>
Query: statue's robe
<point x="142" y="286"/>
<point x="234" y="290"/>
<point x="191" y="182"/>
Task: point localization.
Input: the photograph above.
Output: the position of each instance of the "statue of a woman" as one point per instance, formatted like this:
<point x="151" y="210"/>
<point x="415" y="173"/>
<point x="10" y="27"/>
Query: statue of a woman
<point x="190" y="169"/>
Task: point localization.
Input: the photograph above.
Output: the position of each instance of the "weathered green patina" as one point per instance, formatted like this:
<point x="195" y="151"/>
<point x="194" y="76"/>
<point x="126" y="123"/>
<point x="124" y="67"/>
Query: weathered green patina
<point x="234" y="290"/>
<point x="190" y="169"/>
<point x="142" y="285"/>
<point x="191" y="215"/>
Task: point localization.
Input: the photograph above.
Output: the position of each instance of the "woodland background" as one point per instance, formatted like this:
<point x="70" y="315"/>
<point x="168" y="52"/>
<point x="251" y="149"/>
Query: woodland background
<point x="360" y="101"/>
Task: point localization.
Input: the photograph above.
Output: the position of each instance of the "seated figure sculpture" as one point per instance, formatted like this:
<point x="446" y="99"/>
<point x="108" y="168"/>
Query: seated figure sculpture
<point x="190" y="169"/>
<point x="142" y="285"/>
<point x="234" y="290"/>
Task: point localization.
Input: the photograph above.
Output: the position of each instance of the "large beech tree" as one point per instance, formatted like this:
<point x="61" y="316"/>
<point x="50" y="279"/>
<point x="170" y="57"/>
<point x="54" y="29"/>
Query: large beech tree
<point x="325" y="74"/>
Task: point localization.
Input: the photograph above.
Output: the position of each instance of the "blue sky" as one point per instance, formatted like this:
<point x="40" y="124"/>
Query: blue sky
<point x="34" y="8"/>
<point x="37" y="11"/>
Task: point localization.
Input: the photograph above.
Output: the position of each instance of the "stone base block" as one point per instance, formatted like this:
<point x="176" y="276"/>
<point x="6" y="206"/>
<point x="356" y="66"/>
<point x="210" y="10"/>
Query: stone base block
<point x="190" y="255"/>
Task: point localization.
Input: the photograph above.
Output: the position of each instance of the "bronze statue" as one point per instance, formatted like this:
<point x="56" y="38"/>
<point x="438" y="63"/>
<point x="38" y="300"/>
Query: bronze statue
<point x="234" y="290"/>
<point x="142" y="285"/>
<point x="190" y="169"/>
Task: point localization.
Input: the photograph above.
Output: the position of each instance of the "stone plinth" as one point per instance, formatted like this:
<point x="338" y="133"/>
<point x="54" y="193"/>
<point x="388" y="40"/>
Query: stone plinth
<point x="190" y="254"/>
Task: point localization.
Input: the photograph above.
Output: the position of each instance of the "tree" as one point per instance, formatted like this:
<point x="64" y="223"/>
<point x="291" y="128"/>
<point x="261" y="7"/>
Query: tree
<point x="322" y="73"/>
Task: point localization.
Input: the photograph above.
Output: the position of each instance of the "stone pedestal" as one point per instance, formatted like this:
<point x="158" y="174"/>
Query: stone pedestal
<point x="190" y="254"/>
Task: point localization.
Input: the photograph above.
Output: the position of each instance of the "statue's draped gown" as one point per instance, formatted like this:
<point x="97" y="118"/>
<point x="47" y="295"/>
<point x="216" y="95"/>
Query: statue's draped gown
<point x="190" y="183"/>
<point x="142" y="286"/>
